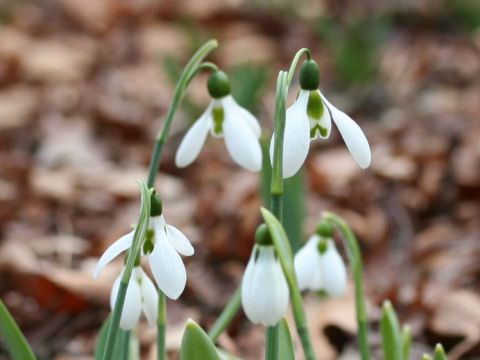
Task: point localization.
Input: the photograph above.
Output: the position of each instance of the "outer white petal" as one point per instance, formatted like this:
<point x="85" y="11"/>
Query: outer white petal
<point x="307" y="265"/>
<point x="132" y="307"/>
<point x="113" y="251"/>
<point x="269" y="287"/>
<point x="194" y="139"/>
<point x="149" y="296"/>
<point x="179" y="241"/>
<point x="334" y="273"/>
<point x="168" y="268"/>
<point x="248" y="297"/>
<point x="353" y="136"/>
<point x="296" y="141"/>
<point x="247" y="115"/>
<point x="241" y="141"/>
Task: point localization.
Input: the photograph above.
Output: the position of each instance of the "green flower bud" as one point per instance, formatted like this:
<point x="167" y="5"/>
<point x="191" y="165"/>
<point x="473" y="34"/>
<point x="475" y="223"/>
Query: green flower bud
<point x="218" y="85"/>
<point x="156" y="207"/>
<point x="262" y="235"/>
<point x="324" y="229"/>
<point x="309" y="75"/>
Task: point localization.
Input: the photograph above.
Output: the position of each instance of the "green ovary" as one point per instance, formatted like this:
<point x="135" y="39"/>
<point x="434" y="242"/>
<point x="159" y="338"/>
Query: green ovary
<point x="218" y="116"/>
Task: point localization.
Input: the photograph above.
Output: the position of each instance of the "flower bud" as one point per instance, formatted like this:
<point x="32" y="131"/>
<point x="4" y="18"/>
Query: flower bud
<point x="218" y="85"/>
<point x="309" y="75"/>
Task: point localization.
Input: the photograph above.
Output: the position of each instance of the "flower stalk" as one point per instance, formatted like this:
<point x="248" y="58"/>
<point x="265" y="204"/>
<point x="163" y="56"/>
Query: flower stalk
<point x="355" y="260"/>
<point x="138" y="236"/>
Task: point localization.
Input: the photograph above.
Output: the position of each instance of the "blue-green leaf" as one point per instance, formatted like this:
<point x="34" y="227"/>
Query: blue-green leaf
<point x="391" y="336"/>
<point x="439" y="353"/>
<point x="14" y="339"/>
<point x="285" y="344"/>
<point x="196" y="345"/>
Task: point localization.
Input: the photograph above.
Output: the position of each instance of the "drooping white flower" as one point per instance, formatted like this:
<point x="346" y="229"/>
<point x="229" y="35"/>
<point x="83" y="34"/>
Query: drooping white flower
<point x="224" y="118"/>
<point x="265" y="291"/>
<point x="310" y="117"/>
<point x="319" y="266"/>
<point x="166" y="264"/>
<point x="141" y="295"/>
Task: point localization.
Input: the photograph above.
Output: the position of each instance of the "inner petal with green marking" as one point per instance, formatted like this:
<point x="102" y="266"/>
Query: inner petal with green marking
<point x="315" y="110"/>
<point x="218" y="116"/>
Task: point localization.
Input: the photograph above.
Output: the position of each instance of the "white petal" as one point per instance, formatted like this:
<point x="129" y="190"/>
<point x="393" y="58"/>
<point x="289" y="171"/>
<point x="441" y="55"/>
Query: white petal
<point x="353" y="136"/>
<point x="334" y="273"/>
<point x="269" y="287"/>
<point x="247" y="115"/>
<point x="113" y="251"/>
<point x="248" y="296"/>
<point x="132" y="306"/>
<point x="179" y="241"/>
<point x="307" y="265"/>
<point x="168" y="269"/>
<point x="296" y="140"/>
<point x="241" y="141"/>
<point x="194" y="139"/>
<point x="149" y="297"/>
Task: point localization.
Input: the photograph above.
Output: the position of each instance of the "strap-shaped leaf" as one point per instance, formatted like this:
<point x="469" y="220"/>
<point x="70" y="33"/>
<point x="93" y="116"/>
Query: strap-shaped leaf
<point x="14" y="339"/>
<point x="196" y="345"/>
<point x="391" y="336"/>
<point x="282" y="246"/>
<point x="406" y="342"/>
<point x="126" y="345"/>
<point x="439" y="353"/>
<point x="285" y="344"/>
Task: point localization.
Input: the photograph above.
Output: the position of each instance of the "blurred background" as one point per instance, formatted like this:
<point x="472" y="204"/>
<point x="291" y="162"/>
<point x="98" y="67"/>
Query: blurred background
<point x="84" y="88"/>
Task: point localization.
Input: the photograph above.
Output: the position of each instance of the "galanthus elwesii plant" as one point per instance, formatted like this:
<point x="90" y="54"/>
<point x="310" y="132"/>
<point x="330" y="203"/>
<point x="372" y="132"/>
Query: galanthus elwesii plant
<point x="162" y="245"/>
<point x="224" y="118"/>
<point x="141" y="295"/>
<point x="311" y="117"/>
<point x="319" y="266"/>
<point x="273" y="277"/>
<point x="264" y="287"/>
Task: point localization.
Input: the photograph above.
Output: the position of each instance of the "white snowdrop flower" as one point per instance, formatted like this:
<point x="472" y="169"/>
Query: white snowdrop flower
<point x="265" y="291"/>
<point x="224" y="118"/>
<point x="163" y="244"/>
<point x="141" y="295"/>
<point x="319" y="266"/>
<point x="311" y="117"/>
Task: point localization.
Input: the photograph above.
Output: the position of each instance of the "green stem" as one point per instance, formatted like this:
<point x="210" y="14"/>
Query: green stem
<point x="227" y="315"/>
<point x="271" y="343"/>
<point x="295" y="61"/>
<point x="126" y="345"/>
<point x="138" y="237"/>
<point x="161" y="326"/>
<point x="355" y="260"/>
<point x="191" y="69"/>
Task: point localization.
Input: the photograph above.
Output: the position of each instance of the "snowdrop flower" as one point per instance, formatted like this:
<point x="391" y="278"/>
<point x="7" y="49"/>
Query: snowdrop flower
<point x="141" y="295"/>
<point x="163" y="244"/>
<point x="311" y="117"/>
<point x="265" y="291"/>
<point x="223" y="118"/>
<point x="319" y="266"/>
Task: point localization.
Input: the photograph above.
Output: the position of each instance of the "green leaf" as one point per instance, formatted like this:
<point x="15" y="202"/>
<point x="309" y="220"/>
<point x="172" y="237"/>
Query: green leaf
<point x="225" y="355"/>
<point x="196" y="345"/>
<point x="390" y="330"/>
<point x="285" y="344"/>
<point x="406" y="341"/>
<point x="426" y="357"/>
<point x="282" y="246"/>
<point x="14" y="339"/>
<point x="439" y="353"/>
<point x="126" y="345"/>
